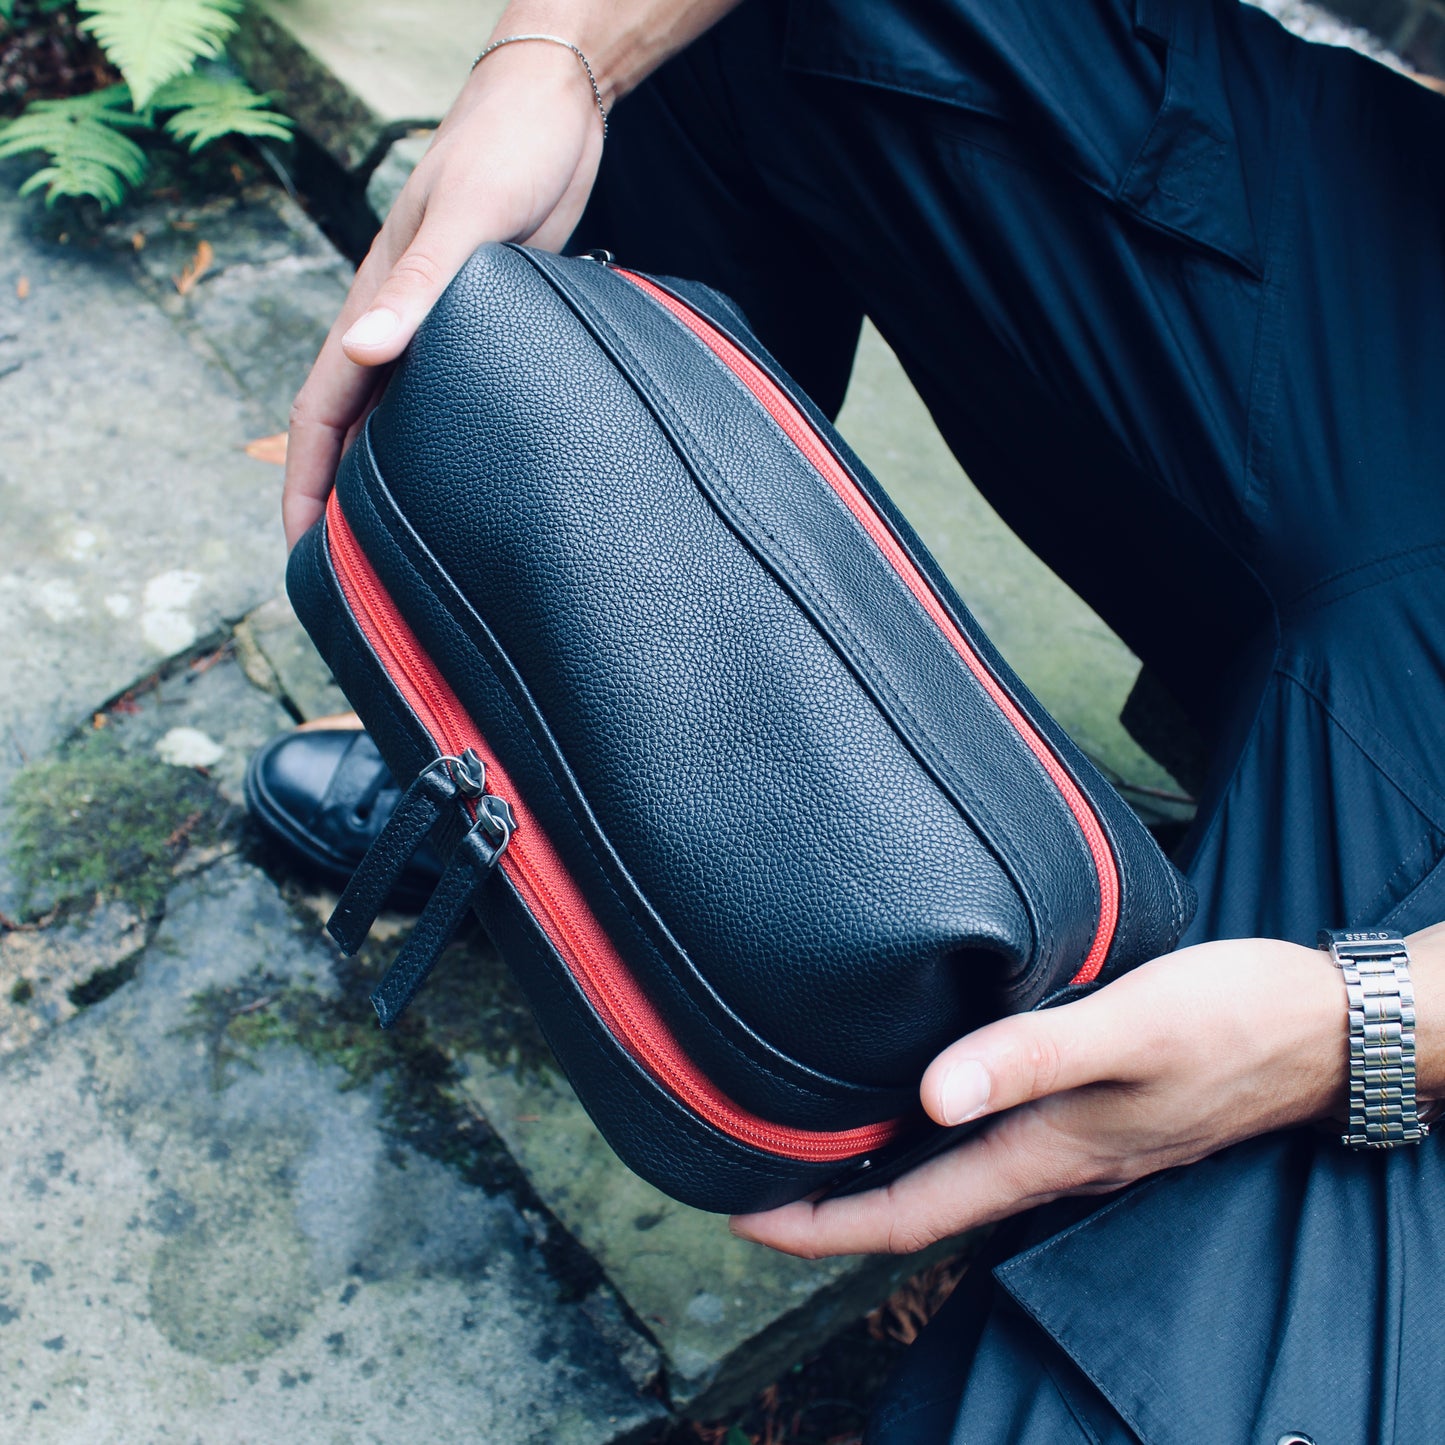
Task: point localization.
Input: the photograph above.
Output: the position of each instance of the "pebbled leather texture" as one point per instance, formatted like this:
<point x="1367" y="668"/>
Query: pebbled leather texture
<point x="815" y="840"/>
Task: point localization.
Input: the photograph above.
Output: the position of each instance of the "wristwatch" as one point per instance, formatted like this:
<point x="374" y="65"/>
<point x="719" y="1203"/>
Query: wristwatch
<point x="1376" y="968"/>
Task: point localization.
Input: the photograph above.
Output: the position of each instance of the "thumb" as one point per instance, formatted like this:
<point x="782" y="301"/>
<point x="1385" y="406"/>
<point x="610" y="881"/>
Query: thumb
<point x="1019" y="1059"/>
<point x="419" y="276"/>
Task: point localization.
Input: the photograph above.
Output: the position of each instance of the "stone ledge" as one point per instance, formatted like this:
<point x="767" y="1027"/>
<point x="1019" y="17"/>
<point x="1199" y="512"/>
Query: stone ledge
<point x="357" y="75"/>
<point x="195" y="1246"/>
<point x="729" y="1317"/>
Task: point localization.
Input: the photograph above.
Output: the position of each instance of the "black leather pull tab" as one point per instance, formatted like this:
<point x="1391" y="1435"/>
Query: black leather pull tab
<point x="475" y="856"/>
<point x="421" y="805"/>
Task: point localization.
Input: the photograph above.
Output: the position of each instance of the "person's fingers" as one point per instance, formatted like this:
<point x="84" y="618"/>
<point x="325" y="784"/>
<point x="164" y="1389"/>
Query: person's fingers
<point x="1012" y="1165"/>
<point x="1029" y="1056"/>
<point x="470" y="187"/>
<point x="336" y="394"/>
<point x="412" y="287"/>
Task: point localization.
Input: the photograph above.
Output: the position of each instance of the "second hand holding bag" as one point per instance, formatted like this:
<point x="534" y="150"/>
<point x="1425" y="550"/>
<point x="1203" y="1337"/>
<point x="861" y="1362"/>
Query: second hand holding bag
<point x="756" y="815"/>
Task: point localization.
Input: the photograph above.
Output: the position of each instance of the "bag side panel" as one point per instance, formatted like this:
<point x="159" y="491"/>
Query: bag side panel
<point x="740" y="1059"/>
<point x="810" y="548"/>
<point x="651" y="1131"/>
<point x="835" y="900"/>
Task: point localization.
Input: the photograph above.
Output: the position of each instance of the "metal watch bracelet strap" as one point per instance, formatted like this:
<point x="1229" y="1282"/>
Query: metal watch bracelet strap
<point x="1376" y="969"/>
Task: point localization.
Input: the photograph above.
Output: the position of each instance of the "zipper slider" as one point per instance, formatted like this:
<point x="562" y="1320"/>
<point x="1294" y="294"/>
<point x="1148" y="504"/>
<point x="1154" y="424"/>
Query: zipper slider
<point x="599" y="257"/>
<point x="495" y="817"/>
<point x="468" y="868"/>
<point x="468" y="772"/>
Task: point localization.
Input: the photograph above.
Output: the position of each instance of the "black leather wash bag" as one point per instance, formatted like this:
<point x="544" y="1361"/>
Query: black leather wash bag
<point x="748" y="803"/>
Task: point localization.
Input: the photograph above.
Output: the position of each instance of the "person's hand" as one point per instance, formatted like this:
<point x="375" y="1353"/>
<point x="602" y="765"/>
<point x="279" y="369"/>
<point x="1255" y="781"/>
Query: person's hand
<point x="1165" y="1065"/>
<point x="514" y="159"/>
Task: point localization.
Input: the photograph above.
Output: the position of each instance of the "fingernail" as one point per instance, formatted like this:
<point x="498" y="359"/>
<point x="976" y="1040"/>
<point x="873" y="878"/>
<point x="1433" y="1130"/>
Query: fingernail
<point x="964" y="1092"/>
<point x="375" y="328"/>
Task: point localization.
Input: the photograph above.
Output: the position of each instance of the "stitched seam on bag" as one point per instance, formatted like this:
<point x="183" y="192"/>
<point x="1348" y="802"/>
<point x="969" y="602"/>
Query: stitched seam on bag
<point x="773" y="1058"/>
<point x="360" y="652"/>
<point x="1174" y="891"/>
<point x="1046" y="948"/>
<point x="1173" y="887"/>
<point x="525" y="709"/>
<point x="1105" y="804"/>
<point x="753" y="1163"/>
<point x="1176" y="894"/>
<point x="1045" y="941"/>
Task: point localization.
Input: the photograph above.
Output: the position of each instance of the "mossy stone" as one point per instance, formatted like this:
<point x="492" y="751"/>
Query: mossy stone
<point x="92" y="821"/>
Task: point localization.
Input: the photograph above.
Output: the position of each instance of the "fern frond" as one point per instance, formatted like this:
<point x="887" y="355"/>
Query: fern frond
<point x="82" y="137"/>
<point x="206" y="107"/>
<point x="151" y="41"/>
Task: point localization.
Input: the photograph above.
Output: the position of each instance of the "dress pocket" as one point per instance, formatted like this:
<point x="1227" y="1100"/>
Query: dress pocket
<point x="1130" y="96"/>
<point x="1422" y="906"/>
<point x="1187" y="177"/>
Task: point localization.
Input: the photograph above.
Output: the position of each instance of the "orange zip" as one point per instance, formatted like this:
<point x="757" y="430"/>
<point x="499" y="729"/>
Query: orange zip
<point x="799" y="430"/>
<point x="548" y="891"/>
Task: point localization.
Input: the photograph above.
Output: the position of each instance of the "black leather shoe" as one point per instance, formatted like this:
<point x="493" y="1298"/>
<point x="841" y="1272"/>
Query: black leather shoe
<point x="324" y="796"/>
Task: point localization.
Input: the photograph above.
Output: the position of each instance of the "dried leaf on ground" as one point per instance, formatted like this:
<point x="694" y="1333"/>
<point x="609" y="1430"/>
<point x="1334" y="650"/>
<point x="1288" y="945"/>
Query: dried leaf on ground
<point x="904" y="1313"/>
<point x="268" y="449"/>
<point x="195" y="268"/>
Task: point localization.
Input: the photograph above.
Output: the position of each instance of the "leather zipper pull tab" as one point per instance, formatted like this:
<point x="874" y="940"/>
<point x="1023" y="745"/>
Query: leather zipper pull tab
<point x="433" y="789"/>
<point x="467" y="869"/>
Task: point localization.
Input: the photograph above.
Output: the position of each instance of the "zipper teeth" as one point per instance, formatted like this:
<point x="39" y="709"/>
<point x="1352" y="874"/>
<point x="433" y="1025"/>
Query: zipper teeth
<point x="800" y="432"/>
<point x="553" y="899"/>
<point x="672" y="1070"/>
<point x="440" y="713"/>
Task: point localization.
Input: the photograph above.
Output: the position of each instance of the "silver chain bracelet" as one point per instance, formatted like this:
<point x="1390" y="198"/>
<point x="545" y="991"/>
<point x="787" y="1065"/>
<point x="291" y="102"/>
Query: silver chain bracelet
<point x="566" y="45"/>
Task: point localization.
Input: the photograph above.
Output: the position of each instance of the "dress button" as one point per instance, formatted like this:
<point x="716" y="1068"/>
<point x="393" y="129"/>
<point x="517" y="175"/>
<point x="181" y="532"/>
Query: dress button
<point x="1294" y="1437"/>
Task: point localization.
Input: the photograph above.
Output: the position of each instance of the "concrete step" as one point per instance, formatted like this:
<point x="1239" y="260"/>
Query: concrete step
<point x="357" y="76"/>
<point x="217" y="1234"/>
<point x="235" y="1210"/>
<point x="135" y="523"/>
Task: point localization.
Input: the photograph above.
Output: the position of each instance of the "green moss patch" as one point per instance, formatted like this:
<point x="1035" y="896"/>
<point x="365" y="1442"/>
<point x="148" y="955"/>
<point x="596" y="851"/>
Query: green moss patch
<point x="470" y="1004"/>
<point x="93" y="822"/>
<point x="240" y="1021"/>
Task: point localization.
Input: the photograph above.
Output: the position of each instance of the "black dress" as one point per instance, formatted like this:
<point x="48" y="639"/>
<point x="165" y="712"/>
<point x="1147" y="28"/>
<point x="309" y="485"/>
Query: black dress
<point x="1172" y="283"/>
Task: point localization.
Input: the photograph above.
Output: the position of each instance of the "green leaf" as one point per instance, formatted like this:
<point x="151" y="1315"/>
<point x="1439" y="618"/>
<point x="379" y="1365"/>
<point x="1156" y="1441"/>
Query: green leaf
<point x="152" y="41"/>
<point x="7" y="9"/>
<point x="206" y="107"/>
<point x="83" y="141"/>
